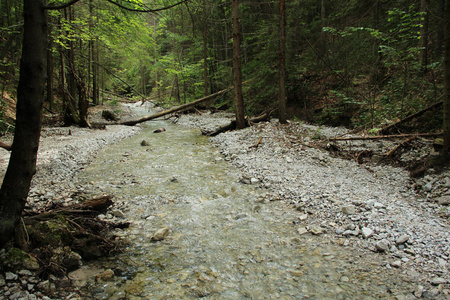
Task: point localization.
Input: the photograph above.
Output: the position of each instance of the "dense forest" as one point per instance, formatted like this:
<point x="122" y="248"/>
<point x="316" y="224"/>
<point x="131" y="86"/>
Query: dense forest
<point x="353" y="63"/>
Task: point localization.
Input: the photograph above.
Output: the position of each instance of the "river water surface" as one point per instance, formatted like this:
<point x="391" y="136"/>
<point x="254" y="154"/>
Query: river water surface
<point x="222" y="242"/>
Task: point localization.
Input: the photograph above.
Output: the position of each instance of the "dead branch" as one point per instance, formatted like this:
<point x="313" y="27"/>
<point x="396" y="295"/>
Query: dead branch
<point x="393" y="150"/>
<point x="379" y="137"/>
<point x="410" y="117"/>
<point x="257" y="143"/>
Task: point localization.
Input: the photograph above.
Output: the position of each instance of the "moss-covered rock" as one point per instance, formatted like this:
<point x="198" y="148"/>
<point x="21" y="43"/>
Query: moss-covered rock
<point x="55" y="232"/>
<point x="16" y="259"/>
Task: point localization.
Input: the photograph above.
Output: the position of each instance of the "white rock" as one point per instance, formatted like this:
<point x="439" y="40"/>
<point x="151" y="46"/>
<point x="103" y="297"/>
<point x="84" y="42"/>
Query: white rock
<point x="303" y="217"/>
<point x="402" y="239"/>
<point x="366" y="232"/>
<point x="11" y="276"/>
<point x="118" y="213"/>
<point x="302" y="230"/>
<point x="382" y="245"/>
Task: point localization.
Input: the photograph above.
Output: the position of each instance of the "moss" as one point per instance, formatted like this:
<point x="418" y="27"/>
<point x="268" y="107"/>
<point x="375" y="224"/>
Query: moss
<point x="16" y="259"/>
<point x="55" y="233"/>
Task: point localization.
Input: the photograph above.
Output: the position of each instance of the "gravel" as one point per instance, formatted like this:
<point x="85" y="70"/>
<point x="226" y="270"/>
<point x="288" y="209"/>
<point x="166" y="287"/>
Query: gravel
<point x="374" y="207"/>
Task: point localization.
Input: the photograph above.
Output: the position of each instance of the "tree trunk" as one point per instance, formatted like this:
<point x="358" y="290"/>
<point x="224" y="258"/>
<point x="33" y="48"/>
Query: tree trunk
<point x="282" y="66"/>
<point x="50" y="73"/>
<point x="424" y="35"/>
<point x="205" y="51"/>
<point x="446" y="108"/>
<point x="440" y="28"/>
<point x="240" y="118"/>
<point x="30" y="97"/>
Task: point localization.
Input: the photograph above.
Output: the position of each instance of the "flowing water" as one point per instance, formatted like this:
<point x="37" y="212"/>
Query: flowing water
<point x="222" y="243"/>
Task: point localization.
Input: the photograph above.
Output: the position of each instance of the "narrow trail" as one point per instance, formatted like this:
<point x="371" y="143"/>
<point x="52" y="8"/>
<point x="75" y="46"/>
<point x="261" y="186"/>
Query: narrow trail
<point x="224" y="241"/>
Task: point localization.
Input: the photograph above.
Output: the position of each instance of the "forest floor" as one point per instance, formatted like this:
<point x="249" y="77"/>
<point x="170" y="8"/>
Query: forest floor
<point x="364" y="203"/>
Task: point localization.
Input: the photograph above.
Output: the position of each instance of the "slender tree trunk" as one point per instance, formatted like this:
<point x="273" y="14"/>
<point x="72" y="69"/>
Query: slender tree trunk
<point x="30" y="97"/>
<point x="240" y="118"/>
<point x="205" y="51"/>
<point x="282" y="66"/>
<point x="440" y="28"/>
<point x="424" y="35"/>
<point x="50" y="72"/>
<point x="446" y="107"/>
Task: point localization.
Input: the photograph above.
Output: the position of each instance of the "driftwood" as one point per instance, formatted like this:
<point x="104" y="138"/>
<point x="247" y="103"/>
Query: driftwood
<point x="257" y="143"/>
<point x="379" y="137"/>
<point x="5" y="146"/>
<point x="393" y="150"/>
<point x="232" y="125"/>
<point x="410" y="117"/>
<point x="168" y="111"/>
<point x="87" y="208"/>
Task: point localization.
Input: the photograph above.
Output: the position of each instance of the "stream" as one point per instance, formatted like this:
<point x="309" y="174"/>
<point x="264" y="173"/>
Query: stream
<point x="223" y="242"/>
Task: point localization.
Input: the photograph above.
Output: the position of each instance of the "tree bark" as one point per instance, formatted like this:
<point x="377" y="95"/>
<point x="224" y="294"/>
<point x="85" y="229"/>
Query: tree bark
<point x="237" y="72"/>
<point x="205" y="50"/>
<point x="424" y="35"/>
<point x="446" y="108"/>
<point x="282" y="66"/>
<point x="30" y="97"/>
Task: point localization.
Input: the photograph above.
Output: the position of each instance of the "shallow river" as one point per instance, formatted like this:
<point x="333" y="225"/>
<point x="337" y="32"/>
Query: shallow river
<point x="222" y="243"/>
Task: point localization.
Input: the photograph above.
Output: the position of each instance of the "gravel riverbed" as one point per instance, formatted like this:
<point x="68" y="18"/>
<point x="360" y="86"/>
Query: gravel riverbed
<point x="372" y="207"/>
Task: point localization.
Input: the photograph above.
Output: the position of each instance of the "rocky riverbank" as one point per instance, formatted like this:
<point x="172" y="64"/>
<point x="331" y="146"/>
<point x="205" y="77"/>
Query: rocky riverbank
<point x="373" y="207"/>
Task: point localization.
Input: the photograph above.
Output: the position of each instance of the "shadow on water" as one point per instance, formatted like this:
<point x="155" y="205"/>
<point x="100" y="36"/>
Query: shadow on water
<point x="222" y="243"/>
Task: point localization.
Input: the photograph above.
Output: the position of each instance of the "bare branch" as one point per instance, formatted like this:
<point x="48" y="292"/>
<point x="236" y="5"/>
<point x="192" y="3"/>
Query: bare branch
<point x="62" y="6"/>
<point x="147" y="10"/>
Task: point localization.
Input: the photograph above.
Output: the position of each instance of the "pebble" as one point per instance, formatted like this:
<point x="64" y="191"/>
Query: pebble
<point x="160" y="234"/>
<point x="443" y="200"/>
<point x="9" y="276"/>
<point x="349" y="210"/>
<point x="366" y="232"/>
<point x="382" y="245"/>
<point x="396" y="264"/>
<point x="118" y="213"/>
<point x="302" y="230"/>
<point x="402" y="239"/>
<point x="438" y="281"/>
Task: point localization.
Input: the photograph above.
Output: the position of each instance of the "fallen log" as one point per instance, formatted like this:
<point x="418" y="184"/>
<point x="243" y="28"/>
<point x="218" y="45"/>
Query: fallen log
<point x="379" y="137"/>
<point x="410" y="117"/>
<point x="232" y="125"/>
<point x="168" y="111"/>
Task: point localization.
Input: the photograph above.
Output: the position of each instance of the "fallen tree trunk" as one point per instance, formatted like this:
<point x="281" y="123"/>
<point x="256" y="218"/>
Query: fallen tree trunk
<point x="379" y="137"/>
<point x="168" y="111"/>
<point x="232" y="125"/>
<point x="410" y="117"/>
